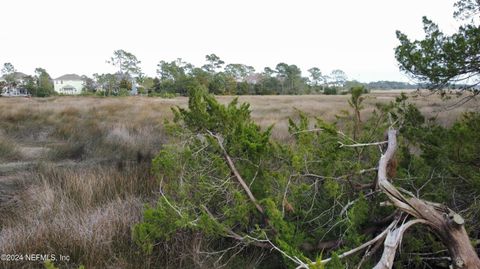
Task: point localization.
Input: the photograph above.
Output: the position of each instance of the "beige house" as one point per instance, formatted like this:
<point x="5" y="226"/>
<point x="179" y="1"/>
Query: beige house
<point x="70" y="84"/>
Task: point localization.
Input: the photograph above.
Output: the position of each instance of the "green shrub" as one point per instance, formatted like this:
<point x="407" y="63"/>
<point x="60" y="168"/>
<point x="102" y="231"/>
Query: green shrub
<point x="165" y="95"/>
<point x="204" y="196"/>
<point x="330" y="90"/>
<point x="123" y="92"/>
<point x="224" y="181"/>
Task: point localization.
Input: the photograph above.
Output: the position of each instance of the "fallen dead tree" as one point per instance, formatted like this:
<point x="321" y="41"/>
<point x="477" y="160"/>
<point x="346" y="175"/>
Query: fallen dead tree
<point x="445" y="223"/>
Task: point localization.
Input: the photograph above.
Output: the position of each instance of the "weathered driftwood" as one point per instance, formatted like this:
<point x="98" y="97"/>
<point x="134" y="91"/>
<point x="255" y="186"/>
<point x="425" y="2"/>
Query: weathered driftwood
<point x="447" y="224"/>
<point x="392" y="241"/>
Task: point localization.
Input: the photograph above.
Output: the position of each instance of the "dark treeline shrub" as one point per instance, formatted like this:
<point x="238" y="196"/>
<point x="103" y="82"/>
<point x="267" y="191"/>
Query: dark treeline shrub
<point x="312" y="197"/>
<point x="331" y="90"/>
<point x="391" y="85"/>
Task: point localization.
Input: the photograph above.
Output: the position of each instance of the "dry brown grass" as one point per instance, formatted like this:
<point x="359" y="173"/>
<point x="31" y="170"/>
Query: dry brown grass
<point x="268" y="110"/>
<point x="137" y="113"/>
<point x="85" y="212"/>
<point x="8" y="149"/>
<point x="76" y="178"/>
<point x="78" y="167"/>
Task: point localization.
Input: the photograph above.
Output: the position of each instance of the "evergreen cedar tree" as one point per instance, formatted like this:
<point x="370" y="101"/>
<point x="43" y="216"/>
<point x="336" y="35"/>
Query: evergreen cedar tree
<point x="235" y="194"/>
<point x="440" y="61"/>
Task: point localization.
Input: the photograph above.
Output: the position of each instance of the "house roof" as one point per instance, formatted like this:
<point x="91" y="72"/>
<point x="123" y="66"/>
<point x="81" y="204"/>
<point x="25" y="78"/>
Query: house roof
<point x="69" y="77"/>
<point x="17" y="75"/>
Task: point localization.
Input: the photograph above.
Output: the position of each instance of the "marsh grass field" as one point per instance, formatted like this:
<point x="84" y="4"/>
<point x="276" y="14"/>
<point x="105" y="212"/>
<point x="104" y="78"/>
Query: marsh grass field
<point x="75" y="171"/>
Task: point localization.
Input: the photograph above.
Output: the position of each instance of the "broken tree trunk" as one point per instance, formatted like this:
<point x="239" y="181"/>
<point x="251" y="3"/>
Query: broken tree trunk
<point x="392" y="241"/>
<point x="447" y="224"/>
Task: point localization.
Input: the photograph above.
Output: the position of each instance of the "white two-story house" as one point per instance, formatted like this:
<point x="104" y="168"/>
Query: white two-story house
<point x="68" y="84"/>
<point x="16" y="87"/>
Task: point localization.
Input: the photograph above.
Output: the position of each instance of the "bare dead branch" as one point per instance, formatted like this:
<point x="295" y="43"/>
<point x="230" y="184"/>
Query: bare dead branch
<point x="392" y="241"/>
<point x="357" y="249"/>
<point x="237" y="175"/>
<point x="364" y="257"/>
<point x="285" y="202"/>
<point x="307" y="131"/>
<point x="294" y="259"/>
<point x="361" y="144"/>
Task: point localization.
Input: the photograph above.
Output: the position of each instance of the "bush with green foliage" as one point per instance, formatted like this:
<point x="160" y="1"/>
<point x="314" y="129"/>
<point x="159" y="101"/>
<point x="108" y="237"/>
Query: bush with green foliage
<point x="330" y="90"/>
<point x="309" y="198"/>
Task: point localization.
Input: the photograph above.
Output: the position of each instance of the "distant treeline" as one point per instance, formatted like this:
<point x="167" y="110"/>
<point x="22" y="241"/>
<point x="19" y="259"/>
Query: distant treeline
<point x="178" y="77"/>
<point x="390" y="85"/>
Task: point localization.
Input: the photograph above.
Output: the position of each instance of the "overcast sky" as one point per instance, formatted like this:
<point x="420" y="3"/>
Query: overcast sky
<point x="73" y="36"/>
